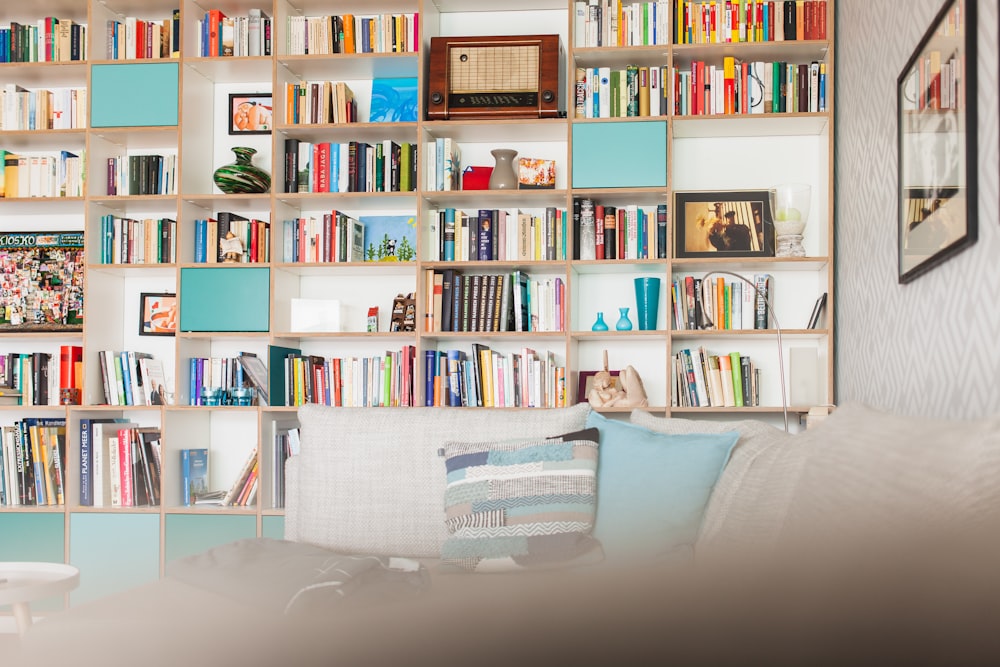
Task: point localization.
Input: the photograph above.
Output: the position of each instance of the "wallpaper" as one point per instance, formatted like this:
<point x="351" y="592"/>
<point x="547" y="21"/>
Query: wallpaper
<point x="929" y="347"/>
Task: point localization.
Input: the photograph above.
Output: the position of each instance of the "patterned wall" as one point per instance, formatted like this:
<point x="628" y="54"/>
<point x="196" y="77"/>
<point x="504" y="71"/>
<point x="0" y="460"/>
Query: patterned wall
<point x="929" y="347"/>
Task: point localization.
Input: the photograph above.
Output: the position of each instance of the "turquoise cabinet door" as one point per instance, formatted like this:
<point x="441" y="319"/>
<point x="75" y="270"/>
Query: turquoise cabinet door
<point x="114" y="552"/>
<point x="225" y="299"/>
<point x="133" y="95"/>
<point x="620" y="155"/>
<point x="189" y="534"/>
<point x="32" y="536"/>
<point x="273" y="527"/>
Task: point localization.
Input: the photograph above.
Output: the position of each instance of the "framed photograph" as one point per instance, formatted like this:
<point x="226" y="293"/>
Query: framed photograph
<point x="250" y="113"/>
<point x="157" y="314"/>
<point x="733" y="223"/>
<point x="936" y="106"/>
<point x="586" y="383"/>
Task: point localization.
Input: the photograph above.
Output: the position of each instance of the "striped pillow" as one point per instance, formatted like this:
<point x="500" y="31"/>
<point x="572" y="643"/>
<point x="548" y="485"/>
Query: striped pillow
<point x="523" y="503"/>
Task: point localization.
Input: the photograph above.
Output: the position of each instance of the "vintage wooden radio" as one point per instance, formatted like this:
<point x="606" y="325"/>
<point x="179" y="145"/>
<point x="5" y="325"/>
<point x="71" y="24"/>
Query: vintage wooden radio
<point x="513" y="76"/>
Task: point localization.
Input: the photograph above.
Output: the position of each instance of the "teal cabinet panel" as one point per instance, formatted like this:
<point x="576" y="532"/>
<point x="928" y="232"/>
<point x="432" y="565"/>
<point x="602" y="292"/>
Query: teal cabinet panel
<point x="133" y="95"/>
<point x="225" y="299"/>
<point x="189" y="534"/>
<point x="114" y="552"/>
<point x="620" y="155"/>
<point x="33" y="536"/>
<point x="273" y="527"/>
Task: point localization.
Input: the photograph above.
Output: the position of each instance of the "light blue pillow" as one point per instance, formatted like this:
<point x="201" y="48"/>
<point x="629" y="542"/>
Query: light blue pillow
<point x="652" y="488"/>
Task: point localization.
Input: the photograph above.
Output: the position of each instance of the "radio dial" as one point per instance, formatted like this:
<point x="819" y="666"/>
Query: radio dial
<point x="548" y="96"/>
<point x="437" y="98"/>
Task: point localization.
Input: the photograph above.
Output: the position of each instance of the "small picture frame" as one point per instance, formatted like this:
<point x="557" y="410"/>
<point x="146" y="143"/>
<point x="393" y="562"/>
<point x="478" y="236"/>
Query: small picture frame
<point x="586" y="383"/>
<point x="733" y="223"/>
<point x="157" y="314"/>
<point x="250" y="113"/>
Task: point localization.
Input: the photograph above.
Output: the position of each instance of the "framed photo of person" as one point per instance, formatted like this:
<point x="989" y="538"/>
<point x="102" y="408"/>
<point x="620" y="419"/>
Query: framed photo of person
<point x="250" y="113"/>
<point x="732" y="223"/>
<point x="937" y="124"/>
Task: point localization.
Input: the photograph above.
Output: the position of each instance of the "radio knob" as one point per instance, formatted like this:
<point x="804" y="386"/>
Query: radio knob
<point x="548" y="96"/>
<point x="437" y="98"/>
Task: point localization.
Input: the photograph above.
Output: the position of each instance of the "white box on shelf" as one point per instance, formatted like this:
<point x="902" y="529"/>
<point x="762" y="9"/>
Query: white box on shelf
<point x="311" y="315"/>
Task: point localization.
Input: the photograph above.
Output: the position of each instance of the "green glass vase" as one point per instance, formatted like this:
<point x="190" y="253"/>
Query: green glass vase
<point x="242" y="176"/>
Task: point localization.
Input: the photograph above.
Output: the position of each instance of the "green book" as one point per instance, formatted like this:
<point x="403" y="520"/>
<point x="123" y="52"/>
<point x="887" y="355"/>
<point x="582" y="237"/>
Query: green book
<point x="277" y="377"/>
<point x="737" y="378"/>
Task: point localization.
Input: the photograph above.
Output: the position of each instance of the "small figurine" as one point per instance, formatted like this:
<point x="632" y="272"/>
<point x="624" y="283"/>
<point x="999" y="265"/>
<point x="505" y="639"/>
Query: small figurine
<point x="232" y="248"/>
<point x="630" y="391"/>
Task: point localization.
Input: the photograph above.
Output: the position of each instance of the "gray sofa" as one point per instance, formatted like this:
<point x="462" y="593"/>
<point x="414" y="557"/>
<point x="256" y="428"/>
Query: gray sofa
<point x="780" y="529"/>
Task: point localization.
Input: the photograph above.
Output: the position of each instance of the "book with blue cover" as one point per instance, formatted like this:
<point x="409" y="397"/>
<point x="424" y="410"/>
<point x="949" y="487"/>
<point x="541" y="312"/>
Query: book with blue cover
<point x="194" y="474"/>
<point x="394" y="100"/>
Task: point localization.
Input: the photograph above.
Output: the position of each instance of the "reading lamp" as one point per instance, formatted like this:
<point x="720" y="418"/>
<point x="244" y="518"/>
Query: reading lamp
<point x="771" y="315"/>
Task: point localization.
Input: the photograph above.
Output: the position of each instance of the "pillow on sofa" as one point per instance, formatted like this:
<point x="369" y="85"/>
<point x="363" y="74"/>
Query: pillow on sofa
<point x="751" y="498"/>
<point x="520" y="503"/>
<point x="652" y="488"/>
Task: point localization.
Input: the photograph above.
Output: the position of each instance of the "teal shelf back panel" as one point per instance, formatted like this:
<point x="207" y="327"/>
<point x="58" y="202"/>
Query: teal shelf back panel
<point x="620" y="155"/>
<point x="133" y="95"/>
<point x="273" y="527"/>
<point x="114" y="552"/>
<point x="189" y="534"/>
<point x="32" y="536"/>
<point x="225" y="299"/>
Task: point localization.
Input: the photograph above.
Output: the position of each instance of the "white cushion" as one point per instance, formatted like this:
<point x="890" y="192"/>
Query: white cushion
<point x="370" y="480"/>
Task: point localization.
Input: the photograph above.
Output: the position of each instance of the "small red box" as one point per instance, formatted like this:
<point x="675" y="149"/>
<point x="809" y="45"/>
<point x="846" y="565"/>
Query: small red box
<point x="476" y="178"/>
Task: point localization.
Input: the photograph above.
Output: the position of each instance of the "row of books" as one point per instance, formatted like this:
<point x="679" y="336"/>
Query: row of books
<point x="42" y="109"/>
<point x="131" y="241"/>
<point x="32" y="456"/>
<point x="488" y="378"/>
<point x="220" y="35"/>
<point x="347" y="33"/>
<point x="254" y="238"/>
<point x="35" y="378"/>
<point x="353" y="166"/>
<point x="214" y="373"/>
<point x="50" y="39"/>
<point x="142" y="175"/>
<point x="285" y="443"/>
<point x="936" y="84"/>
<point x="195" y="489"/>
<point x="444" y="160"/>
<point x="726" y="303"/>
<point x="701" y="379"/>
<point x="612" y="23"/>
<point x="499" y="234"/>
<point x="338" y="237"/>
<point x="52" y="174"/>
<point x="718" y="22"/>
<point x="132" y="378"/>
<point x="382" y="380"/>
<point x="619" y="232"/>
<point x="315" y="102"/>
<point x="604" y="92"/>
<point x="121" y="464"/>
<point x="131" y="38"/>
<point x="493" y="302"/>
<point x="750" y="88"/>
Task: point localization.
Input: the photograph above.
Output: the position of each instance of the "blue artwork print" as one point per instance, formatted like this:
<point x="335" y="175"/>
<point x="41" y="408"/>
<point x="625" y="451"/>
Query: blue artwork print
<point x="394" y="100"/>
<point x="390" y="238"/>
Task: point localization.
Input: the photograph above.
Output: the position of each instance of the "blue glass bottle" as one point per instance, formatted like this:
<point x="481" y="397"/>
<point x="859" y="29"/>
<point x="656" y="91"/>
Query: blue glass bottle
<point x="599" y="325"/>
<point x="624" y="323"/>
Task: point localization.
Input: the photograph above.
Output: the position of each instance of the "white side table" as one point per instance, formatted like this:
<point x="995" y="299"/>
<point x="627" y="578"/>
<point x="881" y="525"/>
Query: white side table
<point x="24" y="583"/>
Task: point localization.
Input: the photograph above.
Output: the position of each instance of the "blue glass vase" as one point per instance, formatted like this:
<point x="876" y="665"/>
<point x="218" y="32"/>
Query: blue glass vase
<point x="599" y="325"/>
<point x="624" y="323"/>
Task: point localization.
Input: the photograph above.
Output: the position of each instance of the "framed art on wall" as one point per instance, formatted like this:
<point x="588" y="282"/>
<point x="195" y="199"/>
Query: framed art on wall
<point x="735" y="223"/>
<point x="936" y="107"/>
<point x="250" y="113"/>
<point x="157" y="314"/>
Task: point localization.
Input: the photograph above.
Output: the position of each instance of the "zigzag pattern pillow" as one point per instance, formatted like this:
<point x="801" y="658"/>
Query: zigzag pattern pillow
<point x="522" y="503"/>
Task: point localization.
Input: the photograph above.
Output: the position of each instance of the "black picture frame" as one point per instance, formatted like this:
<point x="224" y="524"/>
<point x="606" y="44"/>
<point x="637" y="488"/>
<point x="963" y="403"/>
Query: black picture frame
<point x="701" y="227"/>
<point x="250" y="113"/>
<point x="936" y="143"/>
<point x="158" y="314"/>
